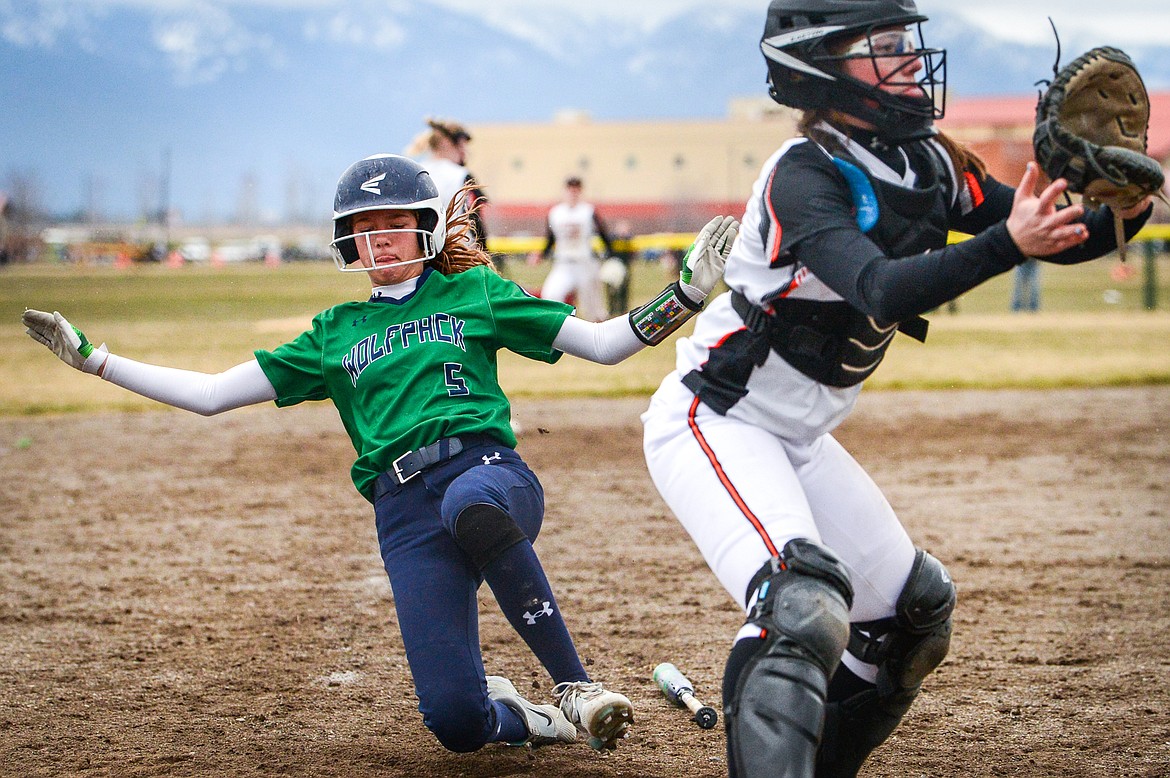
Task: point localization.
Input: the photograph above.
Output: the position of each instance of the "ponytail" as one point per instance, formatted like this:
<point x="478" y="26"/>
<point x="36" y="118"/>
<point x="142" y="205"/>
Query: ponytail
<point x="460" y="252"/>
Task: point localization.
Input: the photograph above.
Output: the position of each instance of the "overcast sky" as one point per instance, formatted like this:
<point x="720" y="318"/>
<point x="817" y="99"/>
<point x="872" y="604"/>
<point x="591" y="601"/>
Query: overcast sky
<point x="1132" y="22"/>
<point x="1135" y="21"/>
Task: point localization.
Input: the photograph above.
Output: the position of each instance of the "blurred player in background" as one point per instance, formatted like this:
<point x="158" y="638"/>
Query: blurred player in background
<point x="572" y="226"/>
<point x="1026" y="287"/>
<point x="412" y="373"/>
<point x="442" y="150"/>
<point x="615" y="271"/>
<point x="844" y="243"/>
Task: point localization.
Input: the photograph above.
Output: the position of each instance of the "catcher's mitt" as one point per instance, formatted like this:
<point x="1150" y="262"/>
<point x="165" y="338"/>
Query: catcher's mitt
<point x="1091" y="126"/>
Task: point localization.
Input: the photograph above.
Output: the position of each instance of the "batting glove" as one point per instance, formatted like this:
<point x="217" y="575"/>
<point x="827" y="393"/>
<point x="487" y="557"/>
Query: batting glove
<point x="66" y="341"/>
<point x="702" y="265"/>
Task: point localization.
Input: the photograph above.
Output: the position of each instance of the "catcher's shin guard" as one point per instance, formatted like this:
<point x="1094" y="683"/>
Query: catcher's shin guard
<point x="774" y="686"/>
<point x="906" y="648"/>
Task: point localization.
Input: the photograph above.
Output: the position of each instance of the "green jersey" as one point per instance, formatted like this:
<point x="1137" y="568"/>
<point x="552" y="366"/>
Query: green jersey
<point x="405" y="373"/>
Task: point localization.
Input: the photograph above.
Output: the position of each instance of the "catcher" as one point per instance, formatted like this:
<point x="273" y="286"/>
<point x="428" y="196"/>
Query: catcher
<point x="844" y="242"/>
<point x="1091" y="131"/>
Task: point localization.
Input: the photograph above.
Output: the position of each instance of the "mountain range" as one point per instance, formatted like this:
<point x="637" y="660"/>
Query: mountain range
<point x="254" y="113"/>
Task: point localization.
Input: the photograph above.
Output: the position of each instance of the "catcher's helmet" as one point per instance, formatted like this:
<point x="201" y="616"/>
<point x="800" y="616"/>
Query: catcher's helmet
<point x="804" y="73"/>
<point x="385" y="181"/>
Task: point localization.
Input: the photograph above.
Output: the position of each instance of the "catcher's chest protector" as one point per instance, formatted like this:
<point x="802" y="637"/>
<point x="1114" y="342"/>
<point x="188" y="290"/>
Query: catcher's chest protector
<point x="909" y="220"/>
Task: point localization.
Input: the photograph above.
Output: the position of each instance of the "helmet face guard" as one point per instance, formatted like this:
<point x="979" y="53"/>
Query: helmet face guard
<point x="905" y="62"/>
<point x="385" y="182"/>
<point x="805" y="68"/>
<point x="348" y="250"/>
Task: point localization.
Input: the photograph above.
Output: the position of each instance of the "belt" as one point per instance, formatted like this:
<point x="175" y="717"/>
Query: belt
<point x="414" y="462"/>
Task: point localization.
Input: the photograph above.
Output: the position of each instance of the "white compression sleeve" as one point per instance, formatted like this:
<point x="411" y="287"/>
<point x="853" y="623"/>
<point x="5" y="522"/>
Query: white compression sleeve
<point x="200" y="393"/>
<point x="607" y="342"/>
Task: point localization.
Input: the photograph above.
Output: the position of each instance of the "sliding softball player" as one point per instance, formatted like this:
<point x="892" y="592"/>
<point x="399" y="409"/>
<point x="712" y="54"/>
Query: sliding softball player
<point x="412" y="372"/>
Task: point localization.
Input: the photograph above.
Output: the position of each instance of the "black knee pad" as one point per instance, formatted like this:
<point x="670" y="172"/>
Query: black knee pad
<point x="908" y="647"/>
<point x="484" y="532"/>
<point x="774" y="687"/>
<point x="924" y="614"/>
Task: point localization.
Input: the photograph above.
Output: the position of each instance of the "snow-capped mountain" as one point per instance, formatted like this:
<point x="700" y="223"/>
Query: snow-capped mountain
<point x="259" y="107"/>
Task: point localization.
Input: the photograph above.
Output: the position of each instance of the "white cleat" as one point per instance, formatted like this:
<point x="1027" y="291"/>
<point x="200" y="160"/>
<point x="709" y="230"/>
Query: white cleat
<point x="603" y="716"/>
<point x="546" y="723"/>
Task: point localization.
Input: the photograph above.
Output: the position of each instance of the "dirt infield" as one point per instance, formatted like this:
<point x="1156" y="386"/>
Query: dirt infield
<point x="187" y="596"/>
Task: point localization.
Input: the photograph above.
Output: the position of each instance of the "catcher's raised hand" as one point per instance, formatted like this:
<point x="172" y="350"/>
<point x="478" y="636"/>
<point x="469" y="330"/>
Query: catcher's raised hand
<point x="53" y="331"/>
<point x="702" y="265"/>
<point x="1036" y="226"/>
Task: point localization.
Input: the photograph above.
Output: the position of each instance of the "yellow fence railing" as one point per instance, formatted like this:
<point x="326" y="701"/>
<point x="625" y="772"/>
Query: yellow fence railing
<point x="681" y="241"/>
<point x="662" y="241"/>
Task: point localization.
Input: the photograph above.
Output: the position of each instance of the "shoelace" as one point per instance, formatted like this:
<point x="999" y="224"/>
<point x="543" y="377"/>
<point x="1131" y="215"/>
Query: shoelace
<point x="583" y="689"/>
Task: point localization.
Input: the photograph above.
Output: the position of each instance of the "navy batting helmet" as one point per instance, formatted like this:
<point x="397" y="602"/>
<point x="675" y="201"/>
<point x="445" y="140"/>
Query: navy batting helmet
<point x="387" y="181"/>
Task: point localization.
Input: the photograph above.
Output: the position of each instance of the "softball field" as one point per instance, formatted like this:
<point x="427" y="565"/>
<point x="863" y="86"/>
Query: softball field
<point x="203" y="597"/>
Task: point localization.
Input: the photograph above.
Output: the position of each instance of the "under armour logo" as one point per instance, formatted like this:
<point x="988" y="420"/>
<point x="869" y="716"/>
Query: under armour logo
<point x="546" y="610"/>
<point x="487" y="460"/>
<point x="362" y="320"/>
<point x="372" y="187"/>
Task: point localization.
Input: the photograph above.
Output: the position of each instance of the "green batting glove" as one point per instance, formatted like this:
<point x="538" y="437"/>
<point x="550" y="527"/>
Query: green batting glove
<point x="84" y="347"/>
<point x="53" y="331"/>
<point x="686" y="274"/>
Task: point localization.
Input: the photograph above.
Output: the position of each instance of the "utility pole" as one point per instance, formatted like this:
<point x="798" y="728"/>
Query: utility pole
<point x="1150" y="285"/>
<point x="164" y="207"/>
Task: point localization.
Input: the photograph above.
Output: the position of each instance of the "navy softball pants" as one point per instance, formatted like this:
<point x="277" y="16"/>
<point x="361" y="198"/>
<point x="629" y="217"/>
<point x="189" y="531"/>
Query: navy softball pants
<point x="435" y="583"/>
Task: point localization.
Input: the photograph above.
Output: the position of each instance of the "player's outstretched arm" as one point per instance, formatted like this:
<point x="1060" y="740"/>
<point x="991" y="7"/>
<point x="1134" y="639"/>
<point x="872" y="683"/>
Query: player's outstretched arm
<point x="648" y="325"/>
<point x="201" y="393"/>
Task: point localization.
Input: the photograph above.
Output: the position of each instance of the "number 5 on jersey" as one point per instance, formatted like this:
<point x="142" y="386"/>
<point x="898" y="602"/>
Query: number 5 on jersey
<point x="456" y="386"/>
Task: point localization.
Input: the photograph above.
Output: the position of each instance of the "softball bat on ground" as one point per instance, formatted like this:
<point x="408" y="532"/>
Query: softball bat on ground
<point x="681" y="692"/>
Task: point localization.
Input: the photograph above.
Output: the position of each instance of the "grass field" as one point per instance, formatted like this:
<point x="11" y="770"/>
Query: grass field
<point x="1093" y="330"/>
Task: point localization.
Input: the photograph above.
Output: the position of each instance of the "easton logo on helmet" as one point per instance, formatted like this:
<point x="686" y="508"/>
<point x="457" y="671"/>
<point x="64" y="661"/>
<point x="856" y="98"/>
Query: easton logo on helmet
<point x="372" y="187"/>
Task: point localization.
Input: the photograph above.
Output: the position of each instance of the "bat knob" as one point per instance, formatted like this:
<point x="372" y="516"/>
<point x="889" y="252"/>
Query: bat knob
<point x="706" y="717"/>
